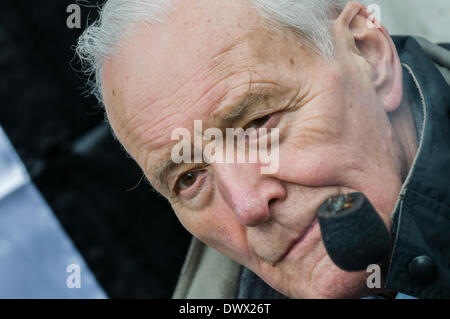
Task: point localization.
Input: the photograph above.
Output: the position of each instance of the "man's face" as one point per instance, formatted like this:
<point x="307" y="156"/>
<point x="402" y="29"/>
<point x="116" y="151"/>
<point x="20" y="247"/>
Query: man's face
<point x="334" y="136"/>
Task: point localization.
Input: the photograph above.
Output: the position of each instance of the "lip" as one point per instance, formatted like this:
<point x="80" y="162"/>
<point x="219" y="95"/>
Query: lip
<point x="303" y="235"/>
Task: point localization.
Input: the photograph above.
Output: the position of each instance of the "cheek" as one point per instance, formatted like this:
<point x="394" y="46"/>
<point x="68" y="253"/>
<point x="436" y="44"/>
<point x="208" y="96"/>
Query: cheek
<point x="217" y="226"/>
<point x="316" y="164"/>
<point x="331" y="282"/>
<point x="320" y="277"/>
<point x="317" y="145"/>
<point x="322" y="121"/>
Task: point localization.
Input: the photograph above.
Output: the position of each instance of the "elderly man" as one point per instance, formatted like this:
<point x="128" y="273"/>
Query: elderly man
<point x="355" y="111"/>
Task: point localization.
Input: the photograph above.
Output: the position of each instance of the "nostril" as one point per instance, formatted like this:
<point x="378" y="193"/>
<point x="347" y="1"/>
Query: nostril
<point x="271" y="202"/>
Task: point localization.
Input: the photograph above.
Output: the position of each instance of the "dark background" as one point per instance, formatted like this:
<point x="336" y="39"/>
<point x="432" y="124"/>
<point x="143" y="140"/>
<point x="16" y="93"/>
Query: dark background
<point x="130" y="239"/>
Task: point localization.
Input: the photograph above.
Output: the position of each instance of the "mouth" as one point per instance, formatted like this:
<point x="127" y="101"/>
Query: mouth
<point x="303" y="235"/>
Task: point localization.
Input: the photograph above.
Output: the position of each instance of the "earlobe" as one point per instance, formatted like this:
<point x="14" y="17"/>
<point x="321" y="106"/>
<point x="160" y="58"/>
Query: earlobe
<point x="374" y="44"/>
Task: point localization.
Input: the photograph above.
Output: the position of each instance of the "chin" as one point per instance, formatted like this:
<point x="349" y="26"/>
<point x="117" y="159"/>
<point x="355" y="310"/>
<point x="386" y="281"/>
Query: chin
<point x="321" y="279"/>
<point x="330" y="282"/>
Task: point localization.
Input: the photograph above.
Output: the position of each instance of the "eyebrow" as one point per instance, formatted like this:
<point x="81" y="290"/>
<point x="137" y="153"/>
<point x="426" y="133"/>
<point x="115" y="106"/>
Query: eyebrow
<point x="248" y="100"/>
<point x="165" y="166"/>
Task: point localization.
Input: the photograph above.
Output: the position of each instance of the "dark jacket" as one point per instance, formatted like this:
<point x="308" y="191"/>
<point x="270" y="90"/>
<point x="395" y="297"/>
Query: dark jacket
<point x="420" y="262"/>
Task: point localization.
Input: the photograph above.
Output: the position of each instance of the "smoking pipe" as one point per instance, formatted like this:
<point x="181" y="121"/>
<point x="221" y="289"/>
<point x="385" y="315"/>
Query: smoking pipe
<point x="354" y="234"/>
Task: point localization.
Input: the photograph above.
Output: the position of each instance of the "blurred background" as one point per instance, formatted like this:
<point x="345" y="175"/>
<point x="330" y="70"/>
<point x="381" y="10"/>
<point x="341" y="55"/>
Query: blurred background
<point x="69" y="194"/>
<point x="130" y="239"/>
<point x="430" y="19"/>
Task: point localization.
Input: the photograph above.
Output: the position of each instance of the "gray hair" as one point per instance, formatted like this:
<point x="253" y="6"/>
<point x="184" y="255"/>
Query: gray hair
<point x="308" y="18"/>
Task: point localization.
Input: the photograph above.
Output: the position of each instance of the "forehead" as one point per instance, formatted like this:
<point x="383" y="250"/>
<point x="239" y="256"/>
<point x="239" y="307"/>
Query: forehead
<point x="175" y="73"/>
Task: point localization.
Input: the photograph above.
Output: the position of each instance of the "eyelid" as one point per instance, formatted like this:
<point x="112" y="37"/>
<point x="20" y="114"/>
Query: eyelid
<point x="175" y="175"/>
<point x="173" y="186"/>
<point x="193" y="190"/>
<point x="272" y="121"/>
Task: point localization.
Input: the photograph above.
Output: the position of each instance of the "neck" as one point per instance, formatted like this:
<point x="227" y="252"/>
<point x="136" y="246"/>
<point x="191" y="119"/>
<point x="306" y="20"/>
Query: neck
<point x="403" y="124"/>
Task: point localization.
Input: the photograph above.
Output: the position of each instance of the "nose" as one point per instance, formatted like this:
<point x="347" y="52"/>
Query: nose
<point x="250" y="194"/>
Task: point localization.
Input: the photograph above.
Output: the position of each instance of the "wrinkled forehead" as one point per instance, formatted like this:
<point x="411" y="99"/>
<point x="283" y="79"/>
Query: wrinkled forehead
<point x="167" y="76"/>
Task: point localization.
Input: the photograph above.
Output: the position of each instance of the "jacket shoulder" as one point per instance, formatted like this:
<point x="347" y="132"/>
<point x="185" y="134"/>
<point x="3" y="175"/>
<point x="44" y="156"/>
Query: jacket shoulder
<point x="440" y="54"/>
<point x="207" y="274"/>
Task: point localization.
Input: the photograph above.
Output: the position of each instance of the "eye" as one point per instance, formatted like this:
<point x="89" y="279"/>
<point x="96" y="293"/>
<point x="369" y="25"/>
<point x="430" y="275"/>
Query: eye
<point x="258" y="122"/>
<point x="188" y="179"/>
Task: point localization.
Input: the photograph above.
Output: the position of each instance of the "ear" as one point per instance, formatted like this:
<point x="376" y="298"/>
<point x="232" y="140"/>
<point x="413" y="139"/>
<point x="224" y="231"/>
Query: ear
<point x="369" y="39"/>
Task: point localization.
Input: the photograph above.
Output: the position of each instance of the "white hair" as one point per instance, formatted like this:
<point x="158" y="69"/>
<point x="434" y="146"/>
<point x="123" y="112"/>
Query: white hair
<point x="308" y="18"/>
